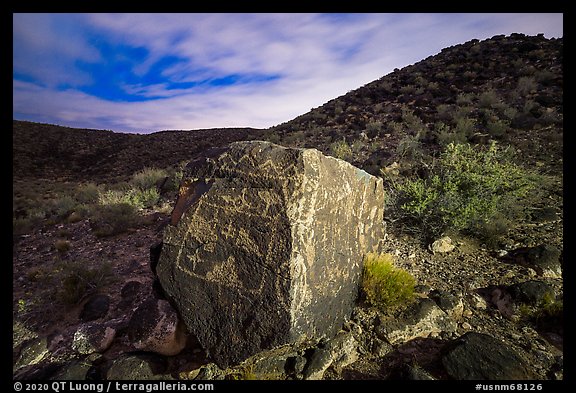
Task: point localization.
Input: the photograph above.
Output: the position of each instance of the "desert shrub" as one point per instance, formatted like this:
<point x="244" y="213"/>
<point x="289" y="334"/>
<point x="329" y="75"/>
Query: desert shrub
<point x="175" y="176"/>
<point x="408" y="89"/>
<point x="135" y="197"/>
<point x="413" y="123"/>
<point x="530" y="106"/>
<point x="510" y="113"/>
<point x="63" y="206"/>
<point x="497" y="127"/>
<point x="464" y="99"/>
<point x="341" y="149"/>
<point x="465" y="127"/>
<point x="410" y="147"/>
<point x="113" y="197"/>
<point x="87" y="193"/>
<point x="467" y="187"/>
<point x="111" y="219"/>
<point x="462" y="112"/>
<point x="488" y="98"/>
<point x="373" y="128"/>
<point x="62" y="245"/>
<point x="145" y="198"/>
<point x="384" y="285"/>
<point x="78" y="280"/>
<point x="148" y="178"/>
<point x="445" y="135"/>
<point x="23" y="225"/>
<point x="547" y="315"/>
<point x="526" y="84"/>
<point x="444" y="112"/>
<point x="544" y="77"/>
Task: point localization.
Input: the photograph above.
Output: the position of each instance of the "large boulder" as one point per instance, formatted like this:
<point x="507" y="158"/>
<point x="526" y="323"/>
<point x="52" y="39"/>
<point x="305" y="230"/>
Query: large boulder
<point x="478" y="356"/>
<point x="265" y="246"/>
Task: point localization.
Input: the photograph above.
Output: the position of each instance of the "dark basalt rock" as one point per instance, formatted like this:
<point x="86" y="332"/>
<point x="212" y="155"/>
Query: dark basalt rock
<point x="265" y="246"/>
<point x="478" y="356"/>
<point x="531" y="292"/>
<point x="95" y="308"/>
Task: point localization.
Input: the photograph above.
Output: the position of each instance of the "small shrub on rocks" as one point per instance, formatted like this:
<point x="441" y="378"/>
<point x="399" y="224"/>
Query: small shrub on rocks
<point x="384" y="285"/>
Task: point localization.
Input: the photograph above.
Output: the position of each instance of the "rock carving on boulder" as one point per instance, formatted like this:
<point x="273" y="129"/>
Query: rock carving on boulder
<point x="265" y="246"/>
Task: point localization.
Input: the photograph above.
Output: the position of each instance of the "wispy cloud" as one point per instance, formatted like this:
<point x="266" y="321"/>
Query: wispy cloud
<point x="150" y="72"/>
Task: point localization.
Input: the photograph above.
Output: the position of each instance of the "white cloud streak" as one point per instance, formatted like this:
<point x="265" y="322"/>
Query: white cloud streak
<point x="315" y="57"/>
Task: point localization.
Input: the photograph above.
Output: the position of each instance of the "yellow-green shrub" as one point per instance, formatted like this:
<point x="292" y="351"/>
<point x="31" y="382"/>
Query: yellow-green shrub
<point x="385" y="286"/>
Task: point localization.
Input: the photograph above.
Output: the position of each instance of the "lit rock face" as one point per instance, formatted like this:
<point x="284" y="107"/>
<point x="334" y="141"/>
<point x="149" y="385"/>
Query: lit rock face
<point x="266" y="244"/>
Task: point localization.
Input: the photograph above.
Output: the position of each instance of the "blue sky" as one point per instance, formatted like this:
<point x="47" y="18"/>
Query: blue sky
<point x="152" y="72"/>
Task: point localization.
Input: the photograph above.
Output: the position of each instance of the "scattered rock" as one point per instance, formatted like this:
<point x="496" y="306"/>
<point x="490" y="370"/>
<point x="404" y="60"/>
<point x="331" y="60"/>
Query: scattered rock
<point x="95" y="337"/>
<point x="265" y="246"/>
<point x="409" y="372"/>
<point x="531" y="292"/>
<point x="477" y="301"/>
<point x="478" y="356"/>
<point x="211" y="371"/>
<point x="95" y="308"/>
<point x="155" y="327"/>
<point x="422" y="319"/>
<point x="21" y="333"/>
<point x="276" y="363"/>
<point x="544" y="258"/>
<point x="449" y="303"/>
<point x="503" y="301"/>
<point x="338" y="352"/>
<point x="37" y="372"/>
<point x="381" y="348"/>
<point x="129" y="292"/>
<point x="545" y="214"/>
<point x="76" y="370"/>
<point x="138" y="367"/>
<point x="32" y="352"/>
<point x="319" y="363"/>
<point x="442" y="245"/>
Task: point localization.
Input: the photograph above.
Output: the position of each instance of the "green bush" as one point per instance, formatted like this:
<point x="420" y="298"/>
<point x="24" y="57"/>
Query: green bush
<point x="78" y="280"/>
<point x="526" y="85"/>
<point x="62" y="245"/>
<point x="467" y="188"/>
<point x="135" y="197"/>
<point x="87" y="193"/>
<point x="445" y="136"/>
<point x="465" y="127"/>
<point x="341" y="150"/>
<point x="148" y="178"/>
<point x="498" y="127"/>
<point x="384" y="285"/>
<point x="488" y="99"/>
<point x="108" y="220"/>
<point x="63" y="206"/>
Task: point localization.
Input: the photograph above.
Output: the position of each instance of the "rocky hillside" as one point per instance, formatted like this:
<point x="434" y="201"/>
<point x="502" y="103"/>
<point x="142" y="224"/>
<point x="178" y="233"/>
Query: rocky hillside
<point x="507" y="88"/>
<point x="54" y="152"/>
<point x="86" y="224"/>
